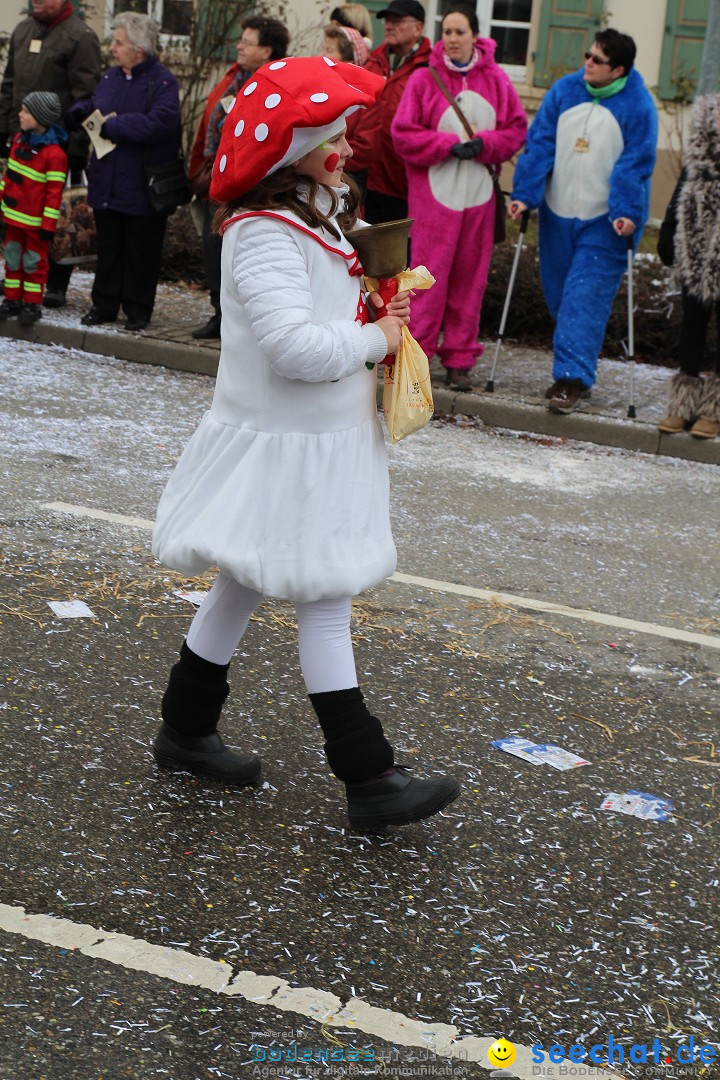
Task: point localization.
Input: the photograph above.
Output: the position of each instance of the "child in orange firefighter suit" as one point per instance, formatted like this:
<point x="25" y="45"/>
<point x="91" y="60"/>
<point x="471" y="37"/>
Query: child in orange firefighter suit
<point x="32" y="191"/>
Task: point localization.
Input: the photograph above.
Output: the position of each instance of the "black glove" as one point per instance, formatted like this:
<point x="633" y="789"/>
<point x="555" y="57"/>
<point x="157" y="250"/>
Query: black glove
<point x="46" y="234"/>
<point x="77" y="163"/>
<point x="467" y="150"/>
<point x="104" y="132"/>
<point x="5" y="140"/>
<point x="73" y="121"/>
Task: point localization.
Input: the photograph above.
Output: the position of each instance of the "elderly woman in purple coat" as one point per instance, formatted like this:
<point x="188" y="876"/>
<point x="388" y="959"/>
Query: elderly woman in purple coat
<point x="140" y="103"/>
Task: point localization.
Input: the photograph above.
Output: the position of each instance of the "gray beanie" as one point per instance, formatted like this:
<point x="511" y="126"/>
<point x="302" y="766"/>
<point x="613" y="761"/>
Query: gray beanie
<point x="44" y="106"/>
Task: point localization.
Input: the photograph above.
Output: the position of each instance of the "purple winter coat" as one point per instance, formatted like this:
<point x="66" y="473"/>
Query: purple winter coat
<point x="145" y="133"/>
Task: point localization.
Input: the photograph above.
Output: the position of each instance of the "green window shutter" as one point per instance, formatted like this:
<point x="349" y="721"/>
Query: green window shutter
<point x="215" y="29"/>
<point x="685" y="26"/>
<point x="566" y="30"/>
<point x="378" y="25"/>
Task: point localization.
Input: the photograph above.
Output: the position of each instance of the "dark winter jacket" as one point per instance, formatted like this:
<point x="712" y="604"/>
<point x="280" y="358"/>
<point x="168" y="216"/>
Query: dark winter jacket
<point x="369" y="129"/>
<point x="68" y="64"/>
<point x="146" y="130"/>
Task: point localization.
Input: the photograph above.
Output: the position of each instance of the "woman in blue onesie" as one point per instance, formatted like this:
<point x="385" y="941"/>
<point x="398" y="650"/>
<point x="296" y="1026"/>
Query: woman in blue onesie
<point x="587" y="164"/>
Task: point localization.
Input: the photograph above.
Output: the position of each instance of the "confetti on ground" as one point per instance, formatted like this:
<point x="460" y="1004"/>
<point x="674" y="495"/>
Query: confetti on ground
<point x="638" y="804"/>
<point x="193" y="596"/>
<point x="71" y="609"/>
<point x="540" y="753"/>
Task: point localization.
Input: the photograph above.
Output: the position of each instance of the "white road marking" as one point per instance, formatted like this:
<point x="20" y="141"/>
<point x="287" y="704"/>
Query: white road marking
<point x="583" y="615"/>
<point x="100" y="515"/>
<point x="189" y="969"/>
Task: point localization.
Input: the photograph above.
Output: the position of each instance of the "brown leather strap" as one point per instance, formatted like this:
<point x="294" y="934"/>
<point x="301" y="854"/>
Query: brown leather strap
<point x="461" y="115"/>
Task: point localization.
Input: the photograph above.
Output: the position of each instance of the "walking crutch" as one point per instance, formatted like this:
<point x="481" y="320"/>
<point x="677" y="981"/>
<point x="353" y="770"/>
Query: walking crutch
<point x="524" y="218"/>
<point x="631" y="328"/>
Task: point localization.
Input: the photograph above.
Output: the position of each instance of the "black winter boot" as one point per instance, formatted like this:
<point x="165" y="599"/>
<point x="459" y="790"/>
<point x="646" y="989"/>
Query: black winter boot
<point x="209" y="330"/>
<point x="378" y="794"/>
<point x="10" y="308"/>
<point x="191" y="707"/>
<point x="29" y="314"/>
<point x="397" y="799"/>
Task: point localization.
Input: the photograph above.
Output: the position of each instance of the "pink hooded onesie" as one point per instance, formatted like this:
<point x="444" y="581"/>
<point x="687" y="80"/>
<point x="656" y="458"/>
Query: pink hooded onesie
<point x="452" y="200"/>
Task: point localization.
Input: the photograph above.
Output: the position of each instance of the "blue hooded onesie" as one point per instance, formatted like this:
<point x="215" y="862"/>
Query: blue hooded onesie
<point x="587" y="162"/>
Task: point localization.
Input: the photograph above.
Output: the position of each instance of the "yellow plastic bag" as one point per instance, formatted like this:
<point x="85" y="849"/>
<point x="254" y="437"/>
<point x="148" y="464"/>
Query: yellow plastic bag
<point x="407" y="394"/>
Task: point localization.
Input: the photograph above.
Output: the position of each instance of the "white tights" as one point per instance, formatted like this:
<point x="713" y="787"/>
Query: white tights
<point x="324" y="642"/>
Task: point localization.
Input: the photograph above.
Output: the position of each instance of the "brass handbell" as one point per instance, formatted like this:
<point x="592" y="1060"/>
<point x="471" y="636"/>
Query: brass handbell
<point x="383" y="249"/>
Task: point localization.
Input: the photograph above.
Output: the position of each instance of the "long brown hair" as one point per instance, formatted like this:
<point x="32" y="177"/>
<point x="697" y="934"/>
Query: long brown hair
<point x="281" y="192"/>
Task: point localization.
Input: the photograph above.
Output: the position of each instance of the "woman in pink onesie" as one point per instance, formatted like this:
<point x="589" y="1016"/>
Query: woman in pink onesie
<point x="450" y="184"/>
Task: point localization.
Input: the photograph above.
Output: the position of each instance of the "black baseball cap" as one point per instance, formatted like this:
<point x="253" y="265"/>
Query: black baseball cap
<point x="401" y="8"/>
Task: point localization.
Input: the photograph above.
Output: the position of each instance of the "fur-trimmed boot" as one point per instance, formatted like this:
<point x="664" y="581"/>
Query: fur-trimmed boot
<point x="707" y="426"/>
<point x="682" y="404"/>
<point x="379" y="793"/>
<point x="188" y="740"/>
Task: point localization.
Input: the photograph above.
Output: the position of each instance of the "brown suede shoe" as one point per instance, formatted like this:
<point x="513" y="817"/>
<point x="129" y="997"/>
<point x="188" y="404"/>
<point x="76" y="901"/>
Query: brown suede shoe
<point x="705" y="428"/>
<point x="552" y="390"/>
<point x="670" y="425"/>
<point x="567" y="397"/>
<point x="458" y="379"/>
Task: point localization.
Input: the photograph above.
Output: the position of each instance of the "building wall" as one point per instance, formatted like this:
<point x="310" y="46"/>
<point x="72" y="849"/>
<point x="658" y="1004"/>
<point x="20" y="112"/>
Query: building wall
<point x="304" y="18"/>
<point x="11" y="12"/>
<point x="645" y="22"/>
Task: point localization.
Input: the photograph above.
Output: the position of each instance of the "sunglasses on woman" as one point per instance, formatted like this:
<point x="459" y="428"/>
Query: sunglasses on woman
<point x="597" y="59"/>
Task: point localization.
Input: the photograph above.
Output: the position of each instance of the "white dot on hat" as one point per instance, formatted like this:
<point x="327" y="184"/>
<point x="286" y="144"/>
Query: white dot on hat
<point x="239" y="127"/>
<point x="249" y="89"/>
<point x="273" y="101"/>
<point x="261" y="132"/>
<point x="223" y="163"/>
<point x="318" y="97"/>
<point x="277" y="65"/>
<point x="328" y="61"/>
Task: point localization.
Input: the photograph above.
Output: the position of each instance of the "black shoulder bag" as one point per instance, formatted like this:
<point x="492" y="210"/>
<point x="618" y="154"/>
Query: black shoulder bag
<point x="168" y="184"/>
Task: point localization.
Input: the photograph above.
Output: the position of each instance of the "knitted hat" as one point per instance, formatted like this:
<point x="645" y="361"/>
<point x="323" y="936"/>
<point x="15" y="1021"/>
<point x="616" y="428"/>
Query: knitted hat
<point x="287" y="109"/>
<point x="360" y="49"/>
<point x="44" y="106"/>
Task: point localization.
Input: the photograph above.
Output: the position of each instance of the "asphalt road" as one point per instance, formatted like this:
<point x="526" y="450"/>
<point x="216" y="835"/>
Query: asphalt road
<point x="523" y="911"/>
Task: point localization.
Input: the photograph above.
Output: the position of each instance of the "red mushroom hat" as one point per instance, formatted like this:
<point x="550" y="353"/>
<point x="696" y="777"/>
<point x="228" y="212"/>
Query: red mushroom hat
<point x="286" y="109"/>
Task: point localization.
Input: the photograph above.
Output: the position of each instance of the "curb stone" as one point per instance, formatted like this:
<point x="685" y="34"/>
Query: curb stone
<point x="202" y="359"/>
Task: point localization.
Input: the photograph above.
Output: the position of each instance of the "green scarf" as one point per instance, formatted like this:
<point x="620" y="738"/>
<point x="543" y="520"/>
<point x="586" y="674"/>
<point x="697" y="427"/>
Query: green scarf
<point x="600" y="92"/>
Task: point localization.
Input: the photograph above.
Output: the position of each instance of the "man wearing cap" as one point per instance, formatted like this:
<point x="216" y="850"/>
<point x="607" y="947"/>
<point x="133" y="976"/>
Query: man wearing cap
<point x="403" y="50"/>
<point x="50" y="50"/>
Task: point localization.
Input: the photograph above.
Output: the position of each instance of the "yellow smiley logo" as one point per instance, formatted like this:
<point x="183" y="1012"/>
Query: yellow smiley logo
<point x="501" y="1054"/>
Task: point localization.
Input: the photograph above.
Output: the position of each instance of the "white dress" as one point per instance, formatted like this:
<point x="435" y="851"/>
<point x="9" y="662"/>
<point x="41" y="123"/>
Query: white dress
<point x="284" y="485"/>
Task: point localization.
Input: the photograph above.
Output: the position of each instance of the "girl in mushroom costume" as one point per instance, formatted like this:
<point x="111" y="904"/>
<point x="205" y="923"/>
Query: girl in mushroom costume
<point x="284" y="485"/>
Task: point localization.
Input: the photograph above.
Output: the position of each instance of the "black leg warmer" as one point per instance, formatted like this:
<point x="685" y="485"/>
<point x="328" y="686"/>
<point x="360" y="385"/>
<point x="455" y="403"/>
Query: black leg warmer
<point x="195" y="694"/>
<point x="355" y="746"/>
